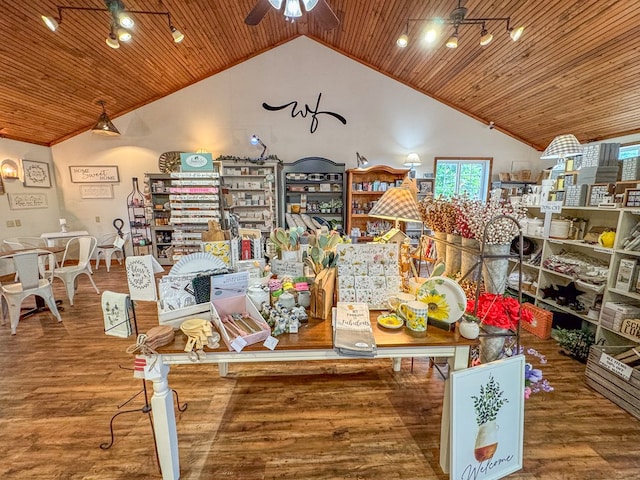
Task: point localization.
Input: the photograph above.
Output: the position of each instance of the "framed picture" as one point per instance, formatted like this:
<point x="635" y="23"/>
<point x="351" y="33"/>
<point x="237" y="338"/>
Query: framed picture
<point x="94" y="174"/>
<point x="597" y="192"/>
<point x="487" y="418"/>
<point x="632" y="197"/>
<point x="36" y="174"/>
<point x="96" y="191"/>
<point x="425" y="186"/>
<point x="24" y="201"/>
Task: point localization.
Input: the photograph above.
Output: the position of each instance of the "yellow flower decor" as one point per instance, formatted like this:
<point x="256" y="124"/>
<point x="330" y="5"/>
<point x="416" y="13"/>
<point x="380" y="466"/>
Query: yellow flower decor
<point x="438" y="306"/>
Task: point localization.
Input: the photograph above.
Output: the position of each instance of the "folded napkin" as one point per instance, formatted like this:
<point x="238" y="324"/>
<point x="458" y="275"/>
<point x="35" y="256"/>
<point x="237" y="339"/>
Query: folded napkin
<point x="353" y="335"/>
<point x="115" y="309"/>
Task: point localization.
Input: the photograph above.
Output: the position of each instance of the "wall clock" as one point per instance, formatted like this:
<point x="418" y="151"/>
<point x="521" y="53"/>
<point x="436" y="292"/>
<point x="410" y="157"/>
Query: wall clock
<point x="169" y="162"/>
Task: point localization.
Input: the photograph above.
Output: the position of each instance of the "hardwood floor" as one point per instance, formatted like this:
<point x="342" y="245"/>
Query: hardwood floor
<point x="60" y="384"/>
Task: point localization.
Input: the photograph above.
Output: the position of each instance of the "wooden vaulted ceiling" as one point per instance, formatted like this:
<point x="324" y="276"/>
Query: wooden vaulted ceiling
<point x="573" y="71"/>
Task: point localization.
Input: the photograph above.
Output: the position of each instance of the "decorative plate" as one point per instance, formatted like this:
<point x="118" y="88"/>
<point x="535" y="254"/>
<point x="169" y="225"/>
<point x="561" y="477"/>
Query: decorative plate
<point x="197" y="262"/>
<point x="390" y="320"/>
<point x="446" y="299"/>
<point x="169" y="162"/>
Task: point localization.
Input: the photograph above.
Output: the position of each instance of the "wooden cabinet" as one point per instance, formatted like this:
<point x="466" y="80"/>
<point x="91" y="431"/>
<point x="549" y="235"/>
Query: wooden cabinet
<point x="314" y="186"/>
<point x="364" y="187"/>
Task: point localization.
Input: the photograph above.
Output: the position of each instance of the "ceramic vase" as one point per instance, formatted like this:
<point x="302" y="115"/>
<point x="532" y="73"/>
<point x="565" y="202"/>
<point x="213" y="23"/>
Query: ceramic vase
<point x="469" y="329"/>
<point x="495" y="271"/>
<point x="492" y="348"/>
<point x="486" y="441"/>
<point x="452" y="254"/>
<point x="470" y="262"/>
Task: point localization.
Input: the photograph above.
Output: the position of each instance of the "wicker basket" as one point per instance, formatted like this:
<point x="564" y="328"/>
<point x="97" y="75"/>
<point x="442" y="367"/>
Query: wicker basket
<point x="540" y="326"/>
<point x="504" y="177"/>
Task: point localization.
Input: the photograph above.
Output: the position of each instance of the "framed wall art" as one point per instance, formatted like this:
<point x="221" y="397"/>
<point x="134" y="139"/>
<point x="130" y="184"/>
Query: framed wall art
<point x="96" y="191"/>
<point x="24" y="201"/>
<point x="487" y="420"/>
<point x="425" y="186"/>
<point x="94" y="174"/>
<point x="36" y="174"/>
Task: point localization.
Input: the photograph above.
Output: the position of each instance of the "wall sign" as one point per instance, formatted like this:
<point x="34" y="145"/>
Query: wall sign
<point x="23" y="201"/>
<point x="313" y="111"/>
<point x="94" y="174"/>
<point x="36" y="174"/>
<point x="96" y="191"/>
<point x="487" y="413"/>
<point x="196" y="162"/>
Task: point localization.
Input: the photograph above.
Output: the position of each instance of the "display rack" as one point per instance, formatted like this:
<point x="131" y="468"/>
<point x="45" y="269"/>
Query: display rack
<point x="314" y="186"/>
<point x="138" y="220"/>
<point x="161" y="232"/>
<point x="194" y="200"/>
<point x="250" y="191"/>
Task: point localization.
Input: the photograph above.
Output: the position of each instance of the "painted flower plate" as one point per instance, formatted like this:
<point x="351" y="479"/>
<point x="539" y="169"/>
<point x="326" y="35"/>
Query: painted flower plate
<point x="445" y="298"/>
<point x="390" y="320"/>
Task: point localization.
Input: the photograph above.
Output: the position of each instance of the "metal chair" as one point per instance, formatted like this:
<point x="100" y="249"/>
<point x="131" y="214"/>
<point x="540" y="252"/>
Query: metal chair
<point x="27" y="268"/>
<point x="111" y="245"/>
<point x="68" y="274"/>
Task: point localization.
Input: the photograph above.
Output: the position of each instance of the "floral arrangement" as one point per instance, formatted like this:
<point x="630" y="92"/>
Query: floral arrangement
<point x="466" y="209"/>
<point x="534" y="381"/>
<point x="489" y="402"/>
<point x="439" y="214"/>
<point x="487" y="222"/>
<point x="499" y="311"/>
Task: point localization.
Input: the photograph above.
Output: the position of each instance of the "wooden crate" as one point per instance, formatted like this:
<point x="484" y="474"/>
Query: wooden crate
<point x="542" y="321"/>
<point x="599" y="375"/>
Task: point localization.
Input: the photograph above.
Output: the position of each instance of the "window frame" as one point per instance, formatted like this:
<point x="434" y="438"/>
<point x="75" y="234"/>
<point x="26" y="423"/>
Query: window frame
<point x="466" y="159"/>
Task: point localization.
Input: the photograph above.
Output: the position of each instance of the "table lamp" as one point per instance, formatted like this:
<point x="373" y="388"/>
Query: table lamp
<point x="398" y="204"/>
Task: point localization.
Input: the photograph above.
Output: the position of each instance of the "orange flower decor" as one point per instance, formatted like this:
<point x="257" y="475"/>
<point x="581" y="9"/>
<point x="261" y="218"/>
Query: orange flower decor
<point x="499" y="311"/>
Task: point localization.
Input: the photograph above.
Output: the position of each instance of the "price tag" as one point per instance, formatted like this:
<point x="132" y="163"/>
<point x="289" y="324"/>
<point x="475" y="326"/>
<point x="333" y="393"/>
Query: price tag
<point x="551" y="207"/>
<point x="601" y="250"/>
<point x="238" y="344"/>
<point x="271" y="342"/>
<point x="293" y="327"/>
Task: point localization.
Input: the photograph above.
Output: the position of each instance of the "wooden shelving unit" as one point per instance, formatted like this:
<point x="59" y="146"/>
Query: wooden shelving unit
<point x="364" y="187"/>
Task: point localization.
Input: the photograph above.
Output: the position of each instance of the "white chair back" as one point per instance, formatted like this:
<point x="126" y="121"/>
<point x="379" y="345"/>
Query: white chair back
<point x="85" y="245"/>
<point x="27" y="269"/>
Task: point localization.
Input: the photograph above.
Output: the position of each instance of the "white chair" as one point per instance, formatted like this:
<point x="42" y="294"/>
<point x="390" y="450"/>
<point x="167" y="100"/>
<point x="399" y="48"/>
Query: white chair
<point x="108" y="246"/>
<point x="69" y="273"/>
<point x="27" y="268"/>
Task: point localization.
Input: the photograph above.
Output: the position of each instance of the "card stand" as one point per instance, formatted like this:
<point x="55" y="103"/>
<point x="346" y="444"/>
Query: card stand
<point x="146" y="408"/>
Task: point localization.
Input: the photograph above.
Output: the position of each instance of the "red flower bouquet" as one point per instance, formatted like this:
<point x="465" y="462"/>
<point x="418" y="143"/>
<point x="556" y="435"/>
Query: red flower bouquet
<point x="499" y="311"/>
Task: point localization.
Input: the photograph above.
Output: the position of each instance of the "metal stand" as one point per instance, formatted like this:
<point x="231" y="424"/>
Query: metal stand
<point x="146" y="408"/>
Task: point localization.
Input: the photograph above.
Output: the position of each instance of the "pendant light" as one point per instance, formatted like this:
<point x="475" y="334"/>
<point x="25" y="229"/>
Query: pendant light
<point x="104" y="126"/>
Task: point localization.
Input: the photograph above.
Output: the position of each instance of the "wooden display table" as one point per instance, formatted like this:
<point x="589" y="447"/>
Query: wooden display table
<point x="314" y="341"/>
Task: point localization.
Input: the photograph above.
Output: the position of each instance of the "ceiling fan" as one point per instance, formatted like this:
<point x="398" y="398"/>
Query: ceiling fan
<point x="292" y="10"/>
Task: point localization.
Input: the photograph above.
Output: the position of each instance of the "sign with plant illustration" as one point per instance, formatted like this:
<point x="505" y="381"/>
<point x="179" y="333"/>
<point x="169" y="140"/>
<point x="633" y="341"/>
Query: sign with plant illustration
<point x="487" y="408"/>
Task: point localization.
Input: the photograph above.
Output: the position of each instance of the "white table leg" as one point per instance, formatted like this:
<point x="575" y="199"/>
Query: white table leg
<point x="164" y="424"/>
<point x="459" y="361"/>
<point x="396" y="362"/>
<point x="223" y="369"/>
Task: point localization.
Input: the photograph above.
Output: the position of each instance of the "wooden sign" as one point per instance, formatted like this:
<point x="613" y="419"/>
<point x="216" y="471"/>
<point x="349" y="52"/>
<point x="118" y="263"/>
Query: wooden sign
<point x="287" y="269"/>
<point x="631" y="326"/>
<point x="24" y="201"/>
<point x="94" y="174"/>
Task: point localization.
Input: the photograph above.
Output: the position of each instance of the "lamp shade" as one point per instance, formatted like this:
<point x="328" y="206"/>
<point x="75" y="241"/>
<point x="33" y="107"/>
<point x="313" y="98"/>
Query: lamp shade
<point x="104" y="126"/>
<point x="561" y="147"/>
<point x="398" y="204"/>
<point x="413" y="160"/>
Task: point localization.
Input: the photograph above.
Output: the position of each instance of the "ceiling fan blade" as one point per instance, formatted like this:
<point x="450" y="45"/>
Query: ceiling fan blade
<point x="324" y="14"/>
<point x="257" y="14"/>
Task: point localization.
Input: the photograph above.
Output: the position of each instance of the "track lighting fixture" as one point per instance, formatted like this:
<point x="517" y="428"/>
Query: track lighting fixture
<point x="457" y="18"/>
<point x="121" y="21"/>
<point x="104" y="126"/>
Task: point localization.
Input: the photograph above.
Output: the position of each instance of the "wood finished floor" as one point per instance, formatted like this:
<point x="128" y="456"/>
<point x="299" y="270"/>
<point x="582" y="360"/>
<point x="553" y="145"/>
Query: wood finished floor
<point x="61" y="382"/>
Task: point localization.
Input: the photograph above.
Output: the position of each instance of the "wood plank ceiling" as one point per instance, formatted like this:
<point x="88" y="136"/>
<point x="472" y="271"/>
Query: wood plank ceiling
<point x="573" y="71"/>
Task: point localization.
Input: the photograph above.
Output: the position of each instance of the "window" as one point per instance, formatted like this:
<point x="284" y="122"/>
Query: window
<point x="458" y="176"/>
<point x="629" y="151"/>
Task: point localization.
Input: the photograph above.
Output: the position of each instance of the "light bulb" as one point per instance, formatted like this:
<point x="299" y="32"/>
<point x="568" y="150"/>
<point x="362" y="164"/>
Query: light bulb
<point x="485" y="38"/>
<point x="292" y="9"/>
<point x="125" y="20"/>
<point x="123" y="35"/>
<point x="431" y="35"/>
<point x="403" y="40"/>
<point x="453" y="41"/>
<point x="516" y="33"/>
<point x="50" y="22"/>
<point x="177" y="35"/>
